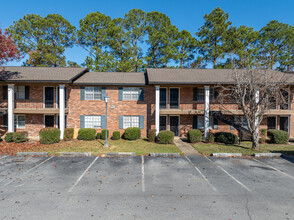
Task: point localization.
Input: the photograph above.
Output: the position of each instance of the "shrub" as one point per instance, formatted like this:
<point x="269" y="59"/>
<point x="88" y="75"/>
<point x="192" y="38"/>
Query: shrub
<point x="210" y="138"/>
<point x="98" y="136"/>
<point x="9" y="137"/>
<point x="151" y="135"/>
<point x="278" y="136"/>
<point x="87" y="134"/>
<point x="103" y="133"/>
<point x="115" y="135"/>
<point x="68" y="134"/>
<point x="226" y="138"/>
<point x="132" y="133"/>
<point x="20" y="137"/>
<point x="49" y="135"/>
<point x="194" y="135"/>
<point x="262" y="140"/>
<point x="165" y="137"/>
<point x="263" y="132"/>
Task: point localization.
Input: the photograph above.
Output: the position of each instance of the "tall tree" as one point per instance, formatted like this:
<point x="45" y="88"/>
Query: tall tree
<point x="241" y="43"/>
<point x="159" y="28"/>
<point x="212" y="36"/>
<point x="8" y="50"/>
<point x="186" y="45"/>
<point x="135" y="26"/>
<point x="272" y="43"/>
<point x="43" y="39"/>
<point x="93" y="37"/>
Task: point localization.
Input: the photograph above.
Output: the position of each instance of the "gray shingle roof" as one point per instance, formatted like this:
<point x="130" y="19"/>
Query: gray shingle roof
<point x="40" y="74"/>
<point x="197" y="76"/>
<point x="112" y="78"/>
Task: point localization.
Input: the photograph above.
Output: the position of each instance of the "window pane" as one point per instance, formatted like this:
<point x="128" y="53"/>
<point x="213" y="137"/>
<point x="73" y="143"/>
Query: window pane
<point x="200" y="122"/>
<point x="93" y="121"/>
<point x="200" y="94"/>
<point x="130" y="93"/>
<point x="20" y="92"/>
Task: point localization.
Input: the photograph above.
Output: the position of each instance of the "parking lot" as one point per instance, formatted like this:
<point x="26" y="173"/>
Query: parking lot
<point x="192" y="187"/>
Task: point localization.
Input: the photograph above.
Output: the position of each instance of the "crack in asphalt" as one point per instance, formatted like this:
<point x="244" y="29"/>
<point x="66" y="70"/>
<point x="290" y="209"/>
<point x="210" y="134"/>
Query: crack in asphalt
<point x="248" y="211"/>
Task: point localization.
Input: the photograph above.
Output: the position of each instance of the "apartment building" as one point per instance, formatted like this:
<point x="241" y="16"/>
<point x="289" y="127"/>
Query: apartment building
<point x="163" y="99"/>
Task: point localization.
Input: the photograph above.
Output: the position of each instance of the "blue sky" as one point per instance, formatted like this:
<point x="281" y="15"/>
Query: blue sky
<point x="185" y="14"/>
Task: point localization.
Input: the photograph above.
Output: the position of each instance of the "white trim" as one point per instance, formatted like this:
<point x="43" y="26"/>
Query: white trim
<point x="157" y="108"/>
<point x="178" y="124"/>
<point x="61" y="92"/>
<point x="44" y="95"/>
<point x="206" y="111"/>
<point x="179" y="89"/>
<point x="15" y="124"/>
<point x="10" y="116"/>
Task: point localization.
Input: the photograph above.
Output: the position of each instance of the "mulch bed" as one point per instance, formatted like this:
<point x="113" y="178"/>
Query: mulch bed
<point x="13" y="148"/>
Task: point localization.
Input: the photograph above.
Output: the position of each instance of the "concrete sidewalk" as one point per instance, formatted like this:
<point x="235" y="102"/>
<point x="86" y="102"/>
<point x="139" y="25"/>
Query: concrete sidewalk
<point x="185" y="147"/>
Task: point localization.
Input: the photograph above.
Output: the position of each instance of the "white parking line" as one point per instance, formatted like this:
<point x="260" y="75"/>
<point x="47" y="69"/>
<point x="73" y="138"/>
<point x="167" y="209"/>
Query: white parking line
<point x="204" y="177"/>
<point x="83" y="174"/>
<point x="292" y="177"/>
<point x="143" y="174"/>
<point x="3" y="157"/>
<point x="245" y="187"/>
<point x="28" y="171"/>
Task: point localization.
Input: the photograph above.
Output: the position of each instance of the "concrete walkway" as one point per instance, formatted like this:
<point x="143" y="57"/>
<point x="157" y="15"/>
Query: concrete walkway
<point x="185" y="147"/>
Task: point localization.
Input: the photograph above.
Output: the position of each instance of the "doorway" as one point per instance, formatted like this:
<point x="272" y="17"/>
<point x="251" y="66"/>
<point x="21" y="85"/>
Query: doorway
<point x="174" y="124"/>
<point x="49" y="97"/>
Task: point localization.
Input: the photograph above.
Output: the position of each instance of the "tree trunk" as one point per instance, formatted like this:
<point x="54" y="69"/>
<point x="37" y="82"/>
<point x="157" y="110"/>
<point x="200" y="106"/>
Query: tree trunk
<point x="255" y="139"/>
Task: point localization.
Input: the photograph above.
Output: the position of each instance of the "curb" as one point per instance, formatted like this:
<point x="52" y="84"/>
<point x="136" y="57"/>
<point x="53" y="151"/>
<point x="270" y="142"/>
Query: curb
<point x="32" y="154"/>
<point x="118" y="154"/>
<point x="164" y="155"/>
<point x="268" y="155"/>
<point x="226" y="154"/>
<point x="75" y="154"/>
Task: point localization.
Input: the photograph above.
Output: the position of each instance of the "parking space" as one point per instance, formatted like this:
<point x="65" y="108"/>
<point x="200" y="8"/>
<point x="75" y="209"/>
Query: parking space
<point x="146" y="187"/>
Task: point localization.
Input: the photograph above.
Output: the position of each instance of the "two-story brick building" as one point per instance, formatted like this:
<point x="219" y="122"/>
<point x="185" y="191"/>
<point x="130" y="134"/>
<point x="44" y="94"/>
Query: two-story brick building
<point x="164" y="99"/>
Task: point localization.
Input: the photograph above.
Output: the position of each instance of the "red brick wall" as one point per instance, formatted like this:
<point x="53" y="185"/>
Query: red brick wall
<point x="116" y="108"/>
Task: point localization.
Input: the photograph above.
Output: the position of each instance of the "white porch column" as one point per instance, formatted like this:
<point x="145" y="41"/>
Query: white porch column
<point x="61" y="110"/>
<point x="157" y="97"/>
<point x="256" y="114"/>
<point x="10" y="107"/>
<point x="206" y="111"/>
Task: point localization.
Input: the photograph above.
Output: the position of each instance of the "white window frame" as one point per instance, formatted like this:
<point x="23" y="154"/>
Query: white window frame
<point x="132" y="92"/>
<point x="131" y="122"/>
<point x="17" y="92"/>
<point x="93" y="93"/>
<point x="16" y="121"/>
<point x="88" y="121"/>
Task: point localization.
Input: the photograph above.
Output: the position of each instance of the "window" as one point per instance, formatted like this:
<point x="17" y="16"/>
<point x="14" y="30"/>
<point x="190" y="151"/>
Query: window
<point x="19" y="121"/>
<point x="92" y="121"/>
<point x="131" y="93"/>
<point x="162" y="123"/>
<point x="199" y="94"/>
<point x="271" y="122"/>
<point x="131" y="121"/>
<point x="93" y="93"/>
<point x="163" y="97"/>
<point x="20" y="92"/>
<point x="212" y="122"/>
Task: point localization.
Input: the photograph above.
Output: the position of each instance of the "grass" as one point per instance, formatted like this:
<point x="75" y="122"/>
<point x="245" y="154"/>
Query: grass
<point x="140" y="147"/>
<point x="244" y="148"/>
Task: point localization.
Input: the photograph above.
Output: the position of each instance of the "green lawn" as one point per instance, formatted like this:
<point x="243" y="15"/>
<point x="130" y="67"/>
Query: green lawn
<point x="244" y="148"/>
<point x="140" y="147"/>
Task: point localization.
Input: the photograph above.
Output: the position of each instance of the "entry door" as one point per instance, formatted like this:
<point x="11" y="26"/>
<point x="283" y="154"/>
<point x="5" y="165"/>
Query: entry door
<point x="174" y="124"/>
<point x="284" y="124"/>
<point x="49" y="97"/>
<point x="49" y="120"/>
<point x="174" y="98"/>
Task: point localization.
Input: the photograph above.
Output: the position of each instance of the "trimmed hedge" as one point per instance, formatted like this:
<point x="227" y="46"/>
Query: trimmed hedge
<point x="9" y="137"/>
<point x="98" y="136"/>
<point x="151" y="135"/>
<point x="87" y="134"/>
<point x="20" y="137"/>
<point x="132" y="133"/>
<point x="115" y="135"/>
<point x="210" y="138"/>
<point x="278" y="136"/>
<point x="103" y="133"/>
<point x="68" y="134"/>
<point x="226" y="138"/>
<point x="49" y="135"/>
<point x="165" y="137"/>
<point x="194" y="135"/>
